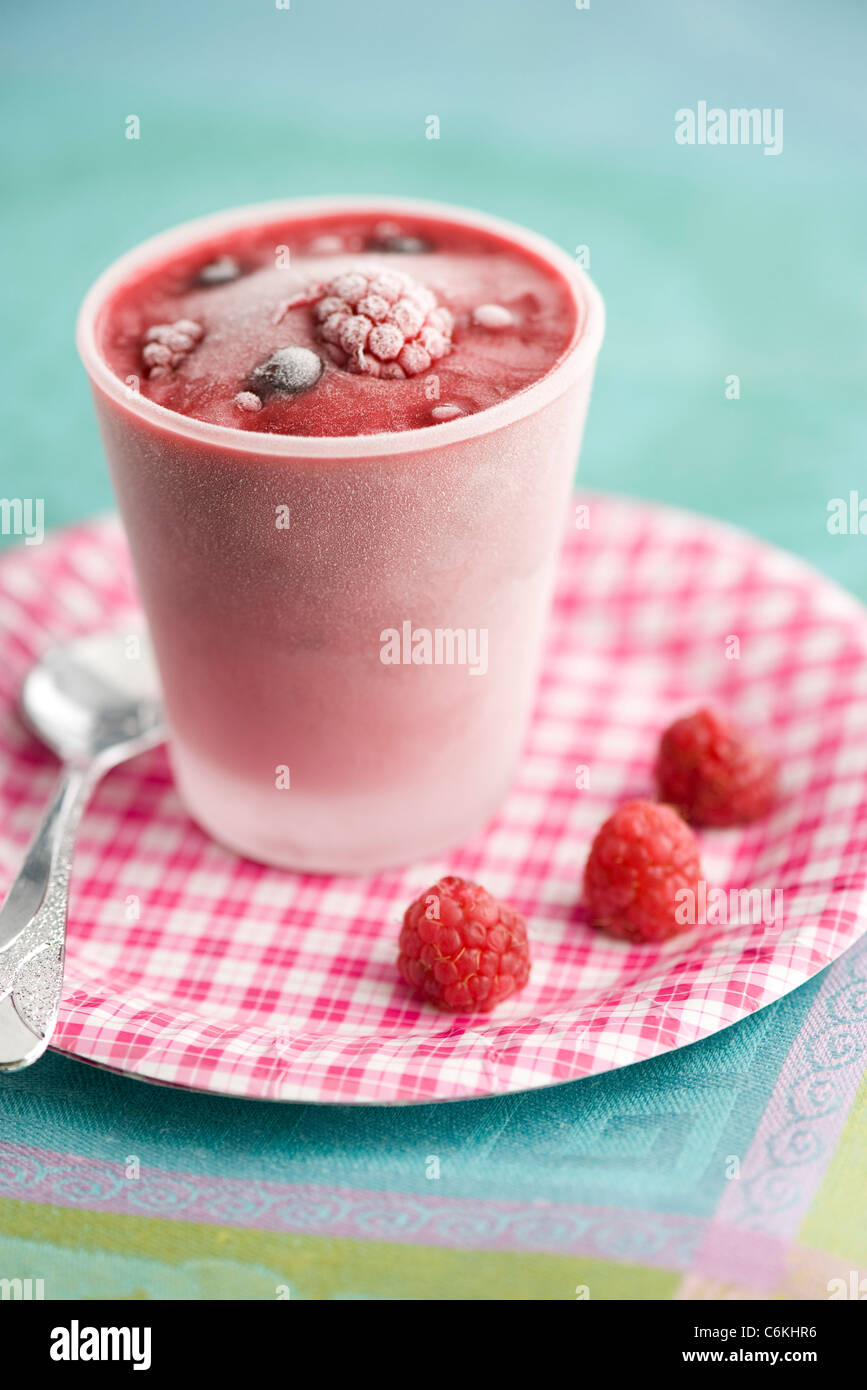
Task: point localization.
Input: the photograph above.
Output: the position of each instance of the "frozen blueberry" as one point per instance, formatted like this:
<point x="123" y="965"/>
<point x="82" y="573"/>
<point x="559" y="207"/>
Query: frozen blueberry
<point x="402" y="245"/>
<point x="288" y="371"/>
<point x="220" y="271"/>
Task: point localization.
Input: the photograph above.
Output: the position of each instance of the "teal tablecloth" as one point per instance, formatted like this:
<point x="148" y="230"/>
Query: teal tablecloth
<point x="735" y="1163"/>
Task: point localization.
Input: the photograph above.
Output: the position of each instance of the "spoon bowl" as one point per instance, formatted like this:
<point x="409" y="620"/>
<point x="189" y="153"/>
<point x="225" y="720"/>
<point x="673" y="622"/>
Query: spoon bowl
<point x="91" y="697"/>
<point x="95" y="702"/>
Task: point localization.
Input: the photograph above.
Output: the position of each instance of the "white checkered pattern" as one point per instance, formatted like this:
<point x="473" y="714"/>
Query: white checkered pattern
<point x="241" y="979"/>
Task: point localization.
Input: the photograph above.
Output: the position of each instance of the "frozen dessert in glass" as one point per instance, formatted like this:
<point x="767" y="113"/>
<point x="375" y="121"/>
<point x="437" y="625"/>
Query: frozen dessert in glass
<point x="342" y="434"/>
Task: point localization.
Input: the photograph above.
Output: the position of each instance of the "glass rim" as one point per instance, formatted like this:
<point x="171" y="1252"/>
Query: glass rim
<point x="577" y="357"/>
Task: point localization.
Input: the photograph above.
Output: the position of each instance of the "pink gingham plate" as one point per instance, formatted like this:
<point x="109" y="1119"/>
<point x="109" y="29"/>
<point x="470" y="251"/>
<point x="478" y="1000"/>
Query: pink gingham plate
<point x="191" y="967"/>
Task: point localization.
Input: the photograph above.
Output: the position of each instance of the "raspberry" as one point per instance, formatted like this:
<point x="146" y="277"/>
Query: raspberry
<point x="374" y="306"/>
<point x="371" y="320"/>
<point x="409" y="318"/>
<point x="414" y="359"/>
<point x="166" y="345"/>
<point x="714" y="772"/>
<point x="640" y="859"/>
<point x="388" y="283"/>
<point x="156" y="355"/>
<point x="385" y="341"/>
<point x="461" y="949"/>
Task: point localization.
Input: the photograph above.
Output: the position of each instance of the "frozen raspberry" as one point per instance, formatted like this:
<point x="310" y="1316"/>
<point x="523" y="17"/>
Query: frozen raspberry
<point x="329" y="332"/>
<point x="190" y="327"/>
<point x="409" y="317"/>
<point x="288" y="371"/>
<point x="442" y="320"/>
<point x="641" y="858"/>
<point x="374" y="306"/>
<point x="328" y="306"/>
<point x="166" y="345"/>
<point x="351" y="286"/>
<point x="414" y="359"/>
<point x="389" y="284"/>
<point x="353" y="333"/>
<point x="385" y="341"/>
<point x="156" y="355"/>
<point x="248" y="401"/>
<point x="461" y="949"/>
<point x="371" y="320"/>
<point x="714" y="772"/>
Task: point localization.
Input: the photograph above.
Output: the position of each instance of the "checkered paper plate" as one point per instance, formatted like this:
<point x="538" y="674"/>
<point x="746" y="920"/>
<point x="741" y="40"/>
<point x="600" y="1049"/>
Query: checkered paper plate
<point x="189" y="966"/>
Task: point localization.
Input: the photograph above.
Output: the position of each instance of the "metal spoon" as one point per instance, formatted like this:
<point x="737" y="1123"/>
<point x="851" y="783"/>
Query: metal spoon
<point x="95" y="701"/>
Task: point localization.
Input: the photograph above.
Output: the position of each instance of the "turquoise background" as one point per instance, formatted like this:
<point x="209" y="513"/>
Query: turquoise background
<point x="712" y="261"/>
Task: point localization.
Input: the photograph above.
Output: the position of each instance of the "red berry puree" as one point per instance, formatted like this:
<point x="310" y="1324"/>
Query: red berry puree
<point x="340" y="324"/>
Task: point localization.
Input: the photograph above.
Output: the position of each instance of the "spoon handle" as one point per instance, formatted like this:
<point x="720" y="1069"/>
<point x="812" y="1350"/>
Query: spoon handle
<point x="33" y="926"/>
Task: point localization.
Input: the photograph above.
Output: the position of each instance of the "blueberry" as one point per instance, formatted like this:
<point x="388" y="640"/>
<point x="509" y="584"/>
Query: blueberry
<point x="402" y="245"/>
<point x="219" y="272"/>
<point x="289" y="371"/>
